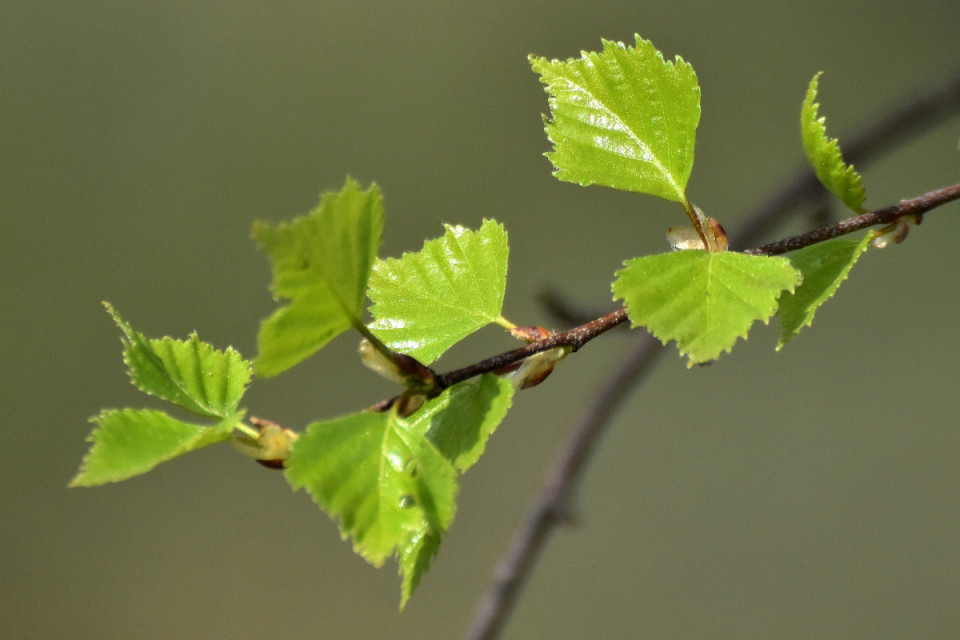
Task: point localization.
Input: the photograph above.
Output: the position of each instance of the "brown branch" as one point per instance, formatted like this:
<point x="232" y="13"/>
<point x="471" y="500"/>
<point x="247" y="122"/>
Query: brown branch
<point x="551" y="505"/>
<point x="922" y="112"/>
<point x="912" y="207"/>
<point x="575" y="338"/>
<point x="579" y="336"/>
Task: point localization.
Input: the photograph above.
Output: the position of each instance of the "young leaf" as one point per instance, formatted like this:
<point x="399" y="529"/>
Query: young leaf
<point x="414" y="561"/>
<point x="824" y="266"/>
<point x="426" y="302"/>
<point x="624" y="118"/>
<point x="458" y="423"/>
<point x="824" y="154"/>
<point x="189" y="373"/>
<point x="386" y="484"/>
<point x="128" y="442"/>
<point x="391" y="481"/>
<point x="459" y="420"/>
<point x="704" y="300"/>
<point x="321" y="263"/>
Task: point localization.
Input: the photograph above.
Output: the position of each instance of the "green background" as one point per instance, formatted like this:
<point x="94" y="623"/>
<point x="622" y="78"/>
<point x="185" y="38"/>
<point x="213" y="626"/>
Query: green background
<point x="813" y="493"/>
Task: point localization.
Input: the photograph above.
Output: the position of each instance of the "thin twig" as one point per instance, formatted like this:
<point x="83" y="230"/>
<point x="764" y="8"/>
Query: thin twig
<point x="579" y="336"/>
<point x="920" y="113"/>
<point x="912" y="207"/>
<point x="551" y="505"/>
<point x="576" y="338"/>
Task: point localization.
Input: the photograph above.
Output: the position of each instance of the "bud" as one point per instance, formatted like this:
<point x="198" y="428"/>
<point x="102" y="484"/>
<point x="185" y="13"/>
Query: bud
<point x="401" y="368"/>
<point x="896" y="232"/>
<point x="272" y="447"/>
<point x="535" y="369"/>
<point x="684" y="238"/>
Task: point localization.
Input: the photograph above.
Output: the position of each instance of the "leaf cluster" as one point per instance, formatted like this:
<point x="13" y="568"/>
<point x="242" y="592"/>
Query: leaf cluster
<point x="390" y="477"/>
<point x="624" y="117"/>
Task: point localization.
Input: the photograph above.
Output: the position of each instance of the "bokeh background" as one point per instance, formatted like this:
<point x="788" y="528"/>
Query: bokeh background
<point x="811" y="493"/>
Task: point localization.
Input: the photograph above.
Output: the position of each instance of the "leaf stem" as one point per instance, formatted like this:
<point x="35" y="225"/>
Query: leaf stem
<point x="699" y="222"/>
<point x="584" y="333"/>
<point x="246" y="430"/>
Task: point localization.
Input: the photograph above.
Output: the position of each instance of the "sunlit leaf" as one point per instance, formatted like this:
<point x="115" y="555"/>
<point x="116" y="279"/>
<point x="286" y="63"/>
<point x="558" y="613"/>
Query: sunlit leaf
<point x="383" y="482"/>
<point x="427" y="301"/>
<point x="623" y="118"/>
<point x="414" y="561"/>
<point x="391" y="482"/>
<point x="129" y="442"/>
<point x="459" y="421"/>
<point x="825" y="266"/>
<point x="189" y="373"/>
<point x="824" y="154"/>
<point x="321" y="263"/>
<point x="704" y="300"/>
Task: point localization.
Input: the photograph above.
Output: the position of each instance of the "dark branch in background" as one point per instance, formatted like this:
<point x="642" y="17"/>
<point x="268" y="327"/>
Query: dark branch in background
<point x="563" y="311"/>
<point x="552" y="507"/>
<point x="552" y="504"/>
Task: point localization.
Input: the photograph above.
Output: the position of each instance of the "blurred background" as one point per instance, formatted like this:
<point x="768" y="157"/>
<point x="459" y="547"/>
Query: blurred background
<point x="811" y="493"/>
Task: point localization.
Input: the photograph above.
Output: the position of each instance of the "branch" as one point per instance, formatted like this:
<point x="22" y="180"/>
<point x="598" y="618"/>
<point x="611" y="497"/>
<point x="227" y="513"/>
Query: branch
<point x="913" y="207"/>
<point x="551" y="506"/>
<point x="576" y="338"/>
<point x="922" y="112"/>
<point x="579" y="336"/>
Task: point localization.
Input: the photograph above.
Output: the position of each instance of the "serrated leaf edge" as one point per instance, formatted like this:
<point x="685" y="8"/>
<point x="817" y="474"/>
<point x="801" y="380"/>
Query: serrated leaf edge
<point x="861" y="248"/>
<point x="824" y="155"/>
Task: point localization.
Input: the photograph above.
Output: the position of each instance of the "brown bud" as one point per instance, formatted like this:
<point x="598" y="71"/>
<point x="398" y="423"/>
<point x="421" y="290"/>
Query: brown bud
<point x="537" y="367"/>
<point x="399" y="367"/>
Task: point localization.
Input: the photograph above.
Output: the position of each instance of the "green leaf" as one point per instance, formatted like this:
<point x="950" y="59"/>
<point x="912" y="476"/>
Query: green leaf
<point x="824" y="266"/>
<point x="189" y="373"/>
<point x="426" y="302"/>
<point x="704" y="300"/>
<point x="414" y="560"/>
<point x="385" y="483"/>
<point x="824" y="154"/>
<point x="128" y="442"/>
<point x="392" y="481"/>
<point x="321" y="263"/>
<point x="459" y="420"/>
<point x="624" y="118"/>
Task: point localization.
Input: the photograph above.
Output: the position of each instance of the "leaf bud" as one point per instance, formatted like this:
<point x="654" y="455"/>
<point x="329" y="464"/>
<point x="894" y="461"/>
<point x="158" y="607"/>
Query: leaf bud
<point x="398" y="367"/>
<point x="535" y="369"/>
<point x="684" y="238"/>
<point x="896" y="232"/>
<point x="273" y="445"/>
